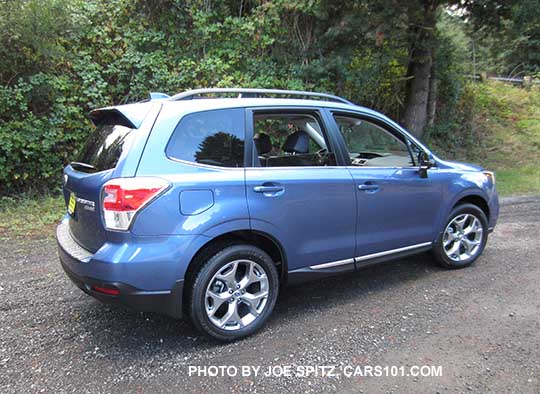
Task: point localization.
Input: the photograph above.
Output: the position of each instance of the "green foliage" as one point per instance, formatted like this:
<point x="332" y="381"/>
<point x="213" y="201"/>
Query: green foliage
<point x="62" y="58"/>
<point x="452" y="130"/>
<point x="500" y="130"/>
<point x="454" y="135"/>
<point x="31" y="34"/>
<point x="504" y="36"/>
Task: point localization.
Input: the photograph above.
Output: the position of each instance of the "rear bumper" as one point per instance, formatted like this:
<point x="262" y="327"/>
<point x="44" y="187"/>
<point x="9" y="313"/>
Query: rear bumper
<point x="164" y="302"/>
<point x="79" y="264"/>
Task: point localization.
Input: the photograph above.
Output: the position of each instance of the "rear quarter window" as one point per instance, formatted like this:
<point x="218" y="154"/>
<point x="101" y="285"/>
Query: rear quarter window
<point x="211" y="137"/>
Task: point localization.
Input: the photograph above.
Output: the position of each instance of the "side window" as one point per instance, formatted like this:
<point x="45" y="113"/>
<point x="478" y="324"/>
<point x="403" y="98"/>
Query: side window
<point x="290" y="140"/>
<point x="371" y="145"/>
<point x="211" y="137"/>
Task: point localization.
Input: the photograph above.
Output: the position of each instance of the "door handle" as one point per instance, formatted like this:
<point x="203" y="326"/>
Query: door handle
<point x="268" y="189"/>
<point x="368" y="187"/>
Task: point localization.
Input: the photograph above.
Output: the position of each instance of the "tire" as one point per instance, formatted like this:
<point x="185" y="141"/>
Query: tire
<point x="463" y="236"/>
<point x="233" y="293"/>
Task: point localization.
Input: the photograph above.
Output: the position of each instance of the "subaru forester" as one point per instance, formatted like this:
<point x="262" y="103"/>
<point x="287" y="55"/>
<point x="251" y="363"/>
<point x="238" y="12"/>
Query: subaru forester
<point x="206" y="203"/>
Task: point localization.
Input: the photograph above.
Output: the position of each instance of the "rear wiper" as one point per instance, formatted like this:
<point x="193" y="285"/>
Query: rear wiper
<point x="80" y="165"/>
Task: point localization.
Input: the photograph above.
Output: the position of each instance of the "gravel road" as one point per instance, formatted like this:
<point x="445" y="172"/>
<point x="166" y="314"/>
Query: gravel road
<point x="480" y="325"/>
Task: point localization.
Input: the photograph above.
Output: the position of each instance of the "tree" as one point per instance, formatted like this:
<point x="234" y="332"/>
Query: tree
<point x="223" y="149"/>
<point x="422" y="22"/>
<point x="422" y="38"/>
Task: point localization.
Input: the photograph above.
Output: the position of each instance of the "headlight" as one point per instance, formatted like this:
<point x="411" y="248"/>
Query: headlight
<point x="490" y="175"/>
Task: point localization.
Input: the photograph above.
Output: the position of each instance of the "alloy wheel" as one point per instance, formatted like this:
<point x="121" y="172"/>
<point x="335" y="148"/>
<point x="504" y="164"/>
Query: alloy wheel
<point x="462" y="238"/>
<point x="236" y="295"/>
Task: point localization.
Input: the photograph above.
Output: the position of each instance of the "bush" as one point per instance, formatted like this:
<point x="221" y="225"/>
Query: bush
<point x="62" y="58"/>
<point x="39" y="131"/>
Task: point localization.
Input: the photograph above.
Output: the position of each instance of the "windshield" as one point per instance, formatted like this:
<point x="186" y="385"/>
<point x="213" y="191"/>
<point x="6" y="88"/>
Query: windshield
<point x="103" y="148"/>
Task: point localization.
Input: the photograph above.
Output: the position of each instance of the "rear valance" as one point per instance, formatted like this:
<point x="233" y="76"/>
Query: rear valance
<point x="129" y="115"/>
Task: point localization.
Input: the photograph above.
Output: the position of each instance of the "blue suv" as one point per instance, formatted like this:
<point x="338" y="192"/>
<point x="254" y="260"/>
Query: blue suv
<point x="204" y="204"/>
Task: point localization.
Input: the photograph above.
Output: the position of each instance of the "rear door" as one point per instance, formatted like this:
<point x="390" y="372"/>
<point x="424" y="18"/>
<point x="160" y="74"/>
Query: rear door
<point x="297" y="192"/>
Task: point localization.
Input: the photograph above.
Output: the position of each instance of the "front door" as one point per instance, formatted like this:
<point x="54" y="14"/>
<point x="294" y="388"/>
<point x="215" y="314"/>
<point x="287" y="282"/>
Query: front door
<point x="397" y="209"/>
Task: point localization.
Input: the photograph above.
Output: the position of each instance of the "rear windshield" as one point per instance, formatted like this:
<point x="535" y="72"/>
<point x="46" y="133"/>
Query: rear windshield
<point x="103" y="148"/>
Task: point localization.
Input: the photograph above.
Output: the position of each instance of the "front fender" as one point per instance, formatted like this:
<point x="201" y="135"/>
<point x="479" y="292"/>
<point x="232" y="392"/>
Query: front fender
<point x="462" y="184"/>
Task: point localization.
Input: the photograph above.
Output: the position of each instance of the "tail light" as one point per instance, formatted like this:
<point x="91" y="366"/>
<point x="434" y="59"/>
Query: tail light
<point x="124" y="197"/>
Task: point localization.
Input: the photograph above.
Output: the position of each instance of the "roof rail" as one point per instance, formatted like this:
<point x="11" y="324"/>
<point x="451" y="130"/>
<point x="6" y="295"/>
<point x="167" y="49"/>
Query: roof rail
<point x="248" y="92"/>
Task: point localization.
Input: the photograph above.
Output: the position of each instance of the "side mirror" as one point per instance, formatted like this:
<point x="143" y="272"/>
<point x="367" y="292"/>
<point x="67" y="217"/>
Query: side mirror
<point x="425" y="162"/>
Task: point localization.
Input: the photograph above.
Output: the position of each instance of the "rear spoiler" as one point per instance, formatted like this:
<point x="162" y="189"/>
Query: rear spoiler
<point x="129" y="115"/>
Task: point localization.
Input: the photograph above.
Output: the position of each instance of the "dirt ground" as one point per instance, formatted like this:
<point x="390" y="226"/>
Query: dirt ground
<point x="481" y="325"/>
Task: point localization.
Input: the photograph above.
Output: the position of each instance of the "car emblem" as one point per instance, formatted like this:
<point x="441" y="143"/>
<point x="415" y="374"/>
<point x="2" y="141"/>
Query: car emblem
<point x="87" y="204"/>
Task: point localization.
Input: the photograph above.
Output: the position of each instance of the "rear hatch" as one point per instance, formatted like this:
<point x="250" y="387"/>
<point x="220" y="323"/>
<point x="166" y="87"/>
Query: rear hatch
<point x="84" y="177"/>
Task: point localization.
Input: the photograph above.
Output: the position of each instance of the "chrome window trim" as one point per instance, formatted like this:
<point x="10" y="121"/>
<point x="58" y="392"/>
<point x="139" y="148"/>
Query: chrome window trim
<point x="294" y="168"/>
<point x="369" y="256"/>
<point x="395" y="168"/>
<point x="209" y="166"/>
<point x="384" y="167"/>
<point x="312" y="167"/>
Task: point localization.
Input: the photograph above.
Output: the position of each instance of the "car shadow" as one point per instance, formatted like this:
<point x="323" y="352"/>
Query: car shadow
<point x="125" y="332"/>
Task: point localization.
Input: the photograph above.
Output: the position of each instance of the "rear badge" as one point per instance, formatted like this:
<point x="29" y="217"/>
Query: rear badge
<point x="87" y="204"/>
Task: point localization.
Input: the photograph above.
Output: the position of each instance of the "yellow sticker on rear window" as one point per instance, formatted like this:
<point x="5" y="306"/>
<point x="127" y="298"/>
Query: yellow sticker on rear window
<point x="72" y="204"/>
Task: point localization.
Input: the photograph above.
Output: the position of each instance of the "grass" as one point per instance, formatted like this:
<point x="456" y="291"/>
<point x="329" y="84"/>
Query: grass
<point x="496" y="125"/>
<point x="30" y="217"/>
<point x="518" y="181"/>
<point x="505" y="122"/>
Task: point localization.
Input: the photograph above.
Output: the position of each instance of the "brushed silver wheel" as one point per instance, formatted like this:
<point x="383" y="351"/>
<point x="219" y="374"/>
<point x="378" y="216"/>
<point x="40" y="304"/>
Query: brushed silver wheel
<point x="463" y="237"/>
<point x="236" y="295"/>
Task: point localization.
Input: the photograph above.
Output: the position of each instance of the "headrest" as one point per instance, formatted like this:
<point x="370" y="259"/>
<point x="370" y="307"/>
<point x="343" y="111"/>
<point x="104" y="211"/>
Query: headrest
<point x="297" y="142"/>
<point x="263" y="143"/>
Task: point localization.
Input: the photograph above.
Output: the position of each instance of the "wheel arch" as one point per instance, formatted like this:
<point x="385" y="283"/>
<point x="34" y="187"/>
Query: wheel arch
<point x="265" y="241"/>
<point x="469" y="196"/>
<point x="474" y="199"/>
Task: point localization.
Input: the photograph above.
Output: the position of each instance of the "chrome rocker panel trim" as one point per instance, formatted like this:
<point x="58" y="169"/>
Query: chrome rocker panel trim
<point x="370" y="256"/>
<point x="350" y="265"/>
<point x="332" y="264"/>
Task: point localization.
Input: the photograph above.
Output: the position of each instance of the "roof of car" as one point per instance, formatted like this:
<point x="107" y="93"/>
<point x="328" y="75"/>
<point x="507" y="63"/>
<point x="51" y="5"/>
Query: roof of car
<point x="218" y="98"/>
<point x="217" y="103"/>
<point x="133" y="114"/>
